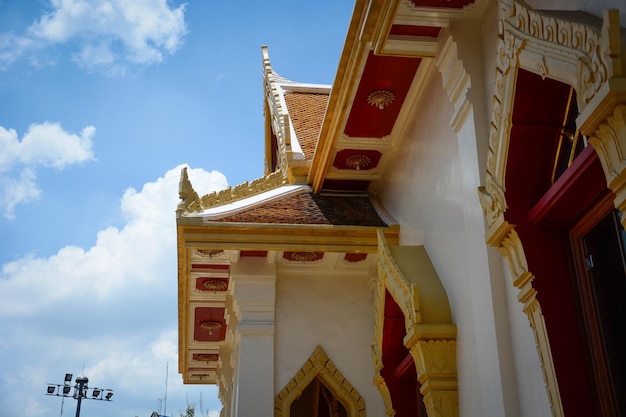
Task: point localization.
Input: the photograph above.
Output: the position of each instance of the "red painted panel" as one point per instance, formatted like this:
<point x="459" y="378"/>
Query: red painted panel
<point x="206" y="267"/>
<point x="412" y="30"/>
<point x="355" y="257"/>
<point x="397" y="362"/>
<point x="575" y="192"/>
<point x="390" y="73"/>
<point x="209" y="314"/>
<point x="345" y="185"/>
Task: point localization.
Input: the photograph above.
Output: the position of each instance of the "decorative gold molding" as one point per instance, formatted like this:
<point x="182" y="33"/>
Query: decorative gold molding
<point x="435" y="361"/>
<point x="432" y="345"/>
<point x="512" y="250"/>
<point x="304" y="256"/>
<point x="279" y="119"/>
<point x="188" y="196"/>
<point x="191" y="203"/>
<point x="211" y="326"/>
<point x="377" y="354"/>
<point x="210" y="253"/>
<point x="206" y="357"/>
<point x="590" y="49"/>
<point x="320" y="366"/>
<point x="609" y="141"/>
<point x="574" y="53"/>
<point x="215" y="284"/>
<point x="578" y="54"/>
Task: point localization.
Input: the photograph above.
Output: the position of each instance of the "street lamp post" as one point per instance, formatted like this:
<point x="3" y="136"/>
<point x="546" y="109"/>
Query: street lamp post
<point x="81" y="391"/>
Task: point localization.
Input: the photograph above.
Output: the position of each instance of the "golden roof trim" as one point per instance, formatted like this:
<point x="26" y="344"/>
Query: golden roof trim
<point x="192" y="203"/>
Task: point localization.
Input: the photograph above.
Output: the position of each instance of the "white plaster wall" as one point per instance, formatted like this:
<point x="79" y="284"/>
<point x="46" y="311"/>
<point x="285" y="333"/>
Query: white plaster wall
<point x="432" y="192"/>
<point x="334" y="311"/>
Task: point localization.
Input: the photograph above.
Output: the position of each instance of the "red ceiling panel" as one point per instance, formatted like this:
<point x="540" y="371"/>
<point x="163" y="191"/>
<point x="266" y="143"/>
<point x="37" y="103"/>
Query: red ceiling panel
<point x="209" y="267"/>
<point x="209" y="324"/>
<point x="381" y="73"/>
<point x="355" y="257"/>
<point x="412" y="30"/>
<point x="345" y="185"/>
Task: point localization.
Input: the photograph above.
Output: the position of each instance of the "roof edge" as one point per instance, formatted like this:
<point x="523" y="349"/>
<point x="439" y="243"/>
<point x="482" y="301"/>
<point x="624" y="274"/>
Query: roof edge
<point x="192" y="203"/>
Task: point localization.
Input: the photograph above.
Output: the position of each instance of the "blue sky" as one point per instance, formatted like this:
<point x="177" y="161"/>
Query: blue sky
<point x="102" y="103"/>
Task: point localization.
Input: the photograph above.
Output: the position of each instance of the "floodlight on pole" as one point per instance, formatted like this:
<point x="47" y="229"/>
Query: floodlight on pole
<point x="81" y="391"/>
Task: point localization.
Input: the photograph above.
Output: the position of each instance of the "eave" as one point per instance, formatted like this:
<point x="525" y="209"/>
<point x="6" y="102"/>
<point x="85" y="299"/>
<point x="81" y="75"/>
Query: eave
<point x="193" y="234"/>
<point x="390" y="48"/>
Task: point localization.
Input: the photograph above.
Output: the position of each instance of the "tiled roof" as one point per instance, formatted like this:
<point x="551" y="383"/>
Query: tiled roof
<point x="306" y="111"/>
<point x="309" y="208"/>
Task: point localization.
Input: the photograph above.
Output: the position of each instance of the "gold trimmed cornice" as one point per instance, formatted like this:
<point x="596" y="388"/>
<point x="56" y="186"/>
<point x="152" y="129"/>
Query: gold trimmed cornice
<point x="319" y="238"/>
<point x="192" y="203"/>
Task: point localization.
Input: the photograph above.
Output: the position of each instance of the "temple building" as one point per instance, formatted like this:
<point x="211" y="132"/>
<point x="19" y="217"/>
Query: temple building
<point x="437" y="233"/>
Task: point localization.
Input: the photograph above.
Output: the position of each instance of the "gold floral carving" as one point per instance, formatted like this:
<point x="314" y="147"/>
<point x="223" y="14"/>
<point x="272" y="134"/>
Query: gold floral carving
<point x="206" y="357"/>
<point x="358" y="161"/>
<point x="435" y="361"/>
<point x="432" y="346"/>
<point x="191" y="203"/>
<point x="590" y="47"/>
<point x="215" y="284"/>
<point x="381" y="98"/>
<point x="209" y="252"/>
<point x="545" y="45"/>
<point x="320" y="366"/>
<point x="211" y="326"/>
<point x="590" y="55"/>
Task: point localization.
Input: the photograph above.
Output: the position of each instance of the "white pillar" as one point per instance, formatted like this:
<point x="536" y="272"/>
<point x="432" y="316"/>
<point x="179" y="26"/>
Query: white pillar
<point x="254" y="290"/>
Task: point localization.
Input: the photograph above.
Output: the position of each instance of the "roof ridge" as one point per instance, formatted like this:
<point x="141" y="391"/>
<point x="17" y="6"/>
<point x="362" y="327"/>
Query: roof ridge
<point x="191" y="203"/>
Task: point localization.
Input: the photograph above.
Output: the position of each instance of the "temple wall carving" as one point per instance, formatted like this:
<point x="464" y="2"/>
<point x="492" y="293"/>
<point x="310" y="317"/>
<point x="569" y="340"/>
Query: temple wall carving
<point x="587" y="58"/>
<point x="432" y="345"/>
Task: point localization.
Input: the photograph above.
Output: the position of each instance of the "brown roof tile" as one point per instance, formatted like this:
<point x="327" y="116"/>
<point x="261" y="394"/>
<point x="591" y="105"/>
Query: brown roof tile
<point x="306" y="111"/>
<point x="311" y="208"/>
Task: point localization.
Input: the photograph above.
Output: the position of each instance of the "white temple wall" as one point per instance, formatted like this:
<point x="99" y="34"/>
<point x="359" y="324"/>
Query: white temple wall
<point x="334" y="311"/>
<point x="432" y="194"/>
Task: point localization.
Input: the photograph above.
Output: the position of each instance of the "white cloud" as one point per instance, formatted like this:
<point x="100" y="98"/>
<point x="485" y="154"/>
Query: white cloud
<point x="111" y="306"/>
<point x="16" y="190"/>
<point x="109" y="33"/>
<point x="45" y="145"/>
